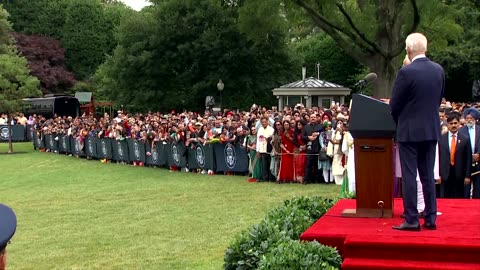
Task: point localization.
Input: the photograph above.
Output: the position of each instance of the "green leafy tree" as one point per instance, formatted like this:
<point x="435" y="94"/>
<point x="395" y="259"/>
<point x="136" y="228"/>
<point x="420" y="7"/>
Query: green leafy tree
<point x="461" y="58"/>
<point x="83" y="37"/>
<point x="85" y="28"/>
<point x="335" y="65"/>
<point x="373" y="32"/>
<point x="39" y="17"/>
<point x="15" y="81"/>
<point x="172" y="55"/>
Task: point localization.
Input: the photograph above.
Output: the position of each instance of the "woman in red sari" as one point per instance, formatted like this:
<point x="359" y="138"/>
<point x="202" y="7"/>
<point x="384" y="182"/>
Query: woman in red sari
<point x="299" y="152"/>
<point x="286" y="173"/>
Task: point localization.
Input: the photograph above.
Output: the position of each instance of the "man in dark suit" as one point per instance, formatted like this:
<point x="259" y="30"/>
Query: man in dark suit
<point x="416" y="97"/>
<point x="8" y="225"/>
<point x="472" y="130"/>
<point x="455" y="159"/>
<point x="310" y="135"/>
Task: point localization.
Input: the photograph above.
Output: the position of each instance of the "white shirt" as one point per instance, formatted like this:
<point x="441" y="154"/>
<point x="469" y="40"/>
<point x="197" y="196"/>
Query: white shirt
<point x="450" y="139"/>
<point x="419" y="56"/>
<point x="258" y="124"/>
<point x="471" y="133"/>
<point x="262" y="142"/>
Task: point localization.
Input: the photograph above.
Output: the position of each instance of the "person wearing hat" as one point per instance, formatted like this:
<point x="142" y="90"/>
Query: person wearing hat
<point x="472" y="130"/>
<point x="8" y="225"/>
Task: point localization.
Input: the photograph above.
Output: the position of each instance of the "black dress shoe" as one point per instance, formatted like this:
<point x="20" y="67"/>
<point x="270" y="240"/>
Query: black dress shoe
<point x="407" y="227"/>
<point x="429" y="226"/>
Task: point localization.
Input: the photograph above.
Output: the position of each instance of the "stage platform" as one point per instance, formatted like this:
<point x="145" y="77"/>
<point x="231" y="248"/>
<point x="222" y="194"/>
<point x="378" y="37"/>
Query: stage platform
<point x="371" y="243"/>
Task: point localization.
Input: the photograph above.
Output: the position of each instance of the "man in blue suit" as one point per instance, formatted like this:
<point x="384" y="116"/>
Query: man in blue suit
<point x="416" y="97"/>
<point x="472" y="130"/>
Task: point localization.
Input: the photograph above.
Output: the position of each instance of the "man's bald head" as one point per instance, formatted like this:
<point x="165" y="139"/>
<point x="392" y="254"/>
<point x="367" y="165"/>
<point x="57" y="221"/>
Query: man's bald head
<point x="415" y="44"/>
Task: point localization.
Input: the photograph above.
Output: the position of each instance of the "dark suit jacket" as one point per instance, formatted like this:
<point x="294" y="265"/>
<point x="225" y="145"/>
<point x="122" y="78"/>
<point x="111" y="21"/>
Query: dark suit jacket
<point x="476" y="146"/>
<point x="464" y="131"/>
<point x="307" y="131"/>
<point x="463" y="157"/>
<point x="416" y="98"/>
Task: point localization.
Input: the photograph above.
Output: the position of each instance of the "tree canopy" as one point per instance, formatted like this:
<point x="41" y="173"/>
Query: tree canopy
<point x="373" y="32"/>
<point x="46" y="60"/>
<point x="15" y="79"/>
<point x="85" y="28"/>
<point x="173" y="54"/>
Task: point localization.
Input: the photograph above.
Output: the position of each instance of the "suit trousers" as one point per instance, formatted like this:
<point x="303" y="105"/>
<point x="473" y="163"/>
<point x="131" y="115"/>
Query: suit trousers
<point x="475" y="181"/>
<point x="453" y="188"/>
<point x="311" y="168"/>
<point x="265" y="158"/>
<point x="418" y="156"/>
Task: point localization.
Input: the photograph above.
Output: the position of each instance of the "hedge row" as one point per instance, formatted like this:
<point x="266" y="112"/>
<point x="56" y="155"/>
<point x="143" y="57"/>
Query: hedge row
<point x="274" y="242"/>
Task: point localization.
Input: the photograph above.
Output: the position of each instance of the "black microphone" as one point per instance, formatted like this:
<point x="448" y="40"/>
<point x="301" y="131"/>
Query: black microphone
<point x="370" y="78"/>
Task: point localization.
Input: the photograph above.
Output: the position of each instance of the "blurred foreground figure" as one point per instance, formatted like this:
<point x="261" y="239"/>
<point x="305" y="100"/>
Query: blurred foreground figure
<point x="8" y="225"/>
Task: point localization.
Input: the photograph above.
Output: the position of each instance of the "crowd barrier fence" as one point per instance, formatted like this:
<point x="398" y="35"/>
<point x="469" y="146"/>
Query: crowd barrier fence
<point x="218" y="157"/>
<point x="20" y="133"/>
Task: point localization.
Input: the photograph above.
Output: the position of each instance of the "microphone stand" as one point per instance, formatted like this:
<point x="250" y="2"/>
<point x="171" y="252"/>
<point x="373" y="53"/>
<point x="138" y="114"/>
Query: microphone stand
<point x="360" y="88"/>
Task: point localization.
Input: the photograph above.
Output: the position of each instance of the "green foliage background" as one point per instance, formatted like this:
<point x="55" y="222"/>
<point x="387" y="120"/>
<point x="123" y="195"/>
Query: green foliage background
<point x="172" y="54"/>
<point x="15" y="80"/>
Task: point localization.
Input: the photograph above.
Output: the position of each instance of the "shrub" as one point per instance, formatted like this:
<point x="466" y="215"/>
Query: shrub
<point x="247" y="250"/>
<point x="301" y="255"/>
<point x="281" y="225"/>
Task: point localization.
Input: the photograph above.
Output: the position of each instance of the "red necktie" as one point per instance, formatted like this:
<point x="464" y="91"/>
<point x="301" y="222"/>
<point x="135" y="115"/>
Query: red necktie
<point x="453" y="148"/>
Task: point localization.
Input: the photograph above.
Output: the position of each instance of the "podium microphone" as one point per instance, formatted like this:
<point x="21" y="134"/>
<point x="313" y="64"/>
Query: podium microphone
<point x="370" y="78"/>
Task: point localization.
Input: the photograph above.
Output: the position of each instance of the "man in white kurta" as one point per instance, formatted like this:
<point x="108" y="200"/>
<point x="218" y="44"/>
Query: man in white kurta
<point x="348" y="149"/>
<point x="264" y="133"/>
<point x="436" y="173"/>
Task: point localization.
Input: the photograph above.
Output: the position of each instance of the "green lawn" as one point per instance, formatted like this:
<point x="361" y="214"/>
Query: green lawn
<point x="79" y="214"/>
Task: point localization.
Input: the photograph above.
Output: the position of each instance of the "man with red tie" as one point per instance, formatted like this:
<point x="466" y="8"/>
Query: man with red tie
<point x="455" y="159"/>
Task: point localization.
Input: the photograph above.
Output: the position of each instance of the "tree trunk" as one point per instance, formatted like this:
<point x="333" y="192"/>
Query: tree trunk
<point x="386" y="74"/>
<point x="10" y="145"/>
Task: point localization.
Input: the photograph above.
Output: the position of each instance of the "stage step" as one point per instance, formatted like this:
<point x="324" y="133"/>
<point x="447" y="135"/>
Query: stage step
<point x="374" y="264"/>
<point x="408" y="248"/>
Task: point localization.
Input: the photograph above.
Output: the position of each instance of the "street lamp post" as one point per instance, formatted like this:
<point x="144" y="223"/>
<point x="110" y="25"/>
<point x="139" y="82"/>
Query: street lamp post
<point x="220" y="87"/>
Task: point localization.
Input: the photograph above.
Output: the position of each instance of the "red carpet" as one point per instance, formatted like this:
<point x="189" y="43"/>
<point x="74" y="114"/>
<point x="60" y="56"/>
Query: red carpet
<point x="371" y="243"/>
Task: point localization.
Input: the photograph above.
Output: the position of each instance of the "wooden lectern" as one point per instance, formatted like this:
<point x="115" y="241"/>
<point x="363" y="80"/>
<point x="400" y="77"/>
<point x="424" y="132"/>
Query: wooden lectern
<point x="373" y="130"/>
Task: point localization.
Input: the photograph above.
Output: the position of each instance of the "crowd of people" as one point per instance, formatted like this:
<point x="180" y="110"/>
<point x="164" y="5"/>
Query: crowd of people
<point x="295" y="145"/>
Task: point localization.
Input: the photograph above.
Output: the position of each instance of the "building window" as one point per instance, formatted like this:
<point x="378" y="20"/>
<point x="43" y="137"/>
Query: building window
<point x="326" y="102"/>
<point x="315" y="101"/>
<point x="294" y="100"/>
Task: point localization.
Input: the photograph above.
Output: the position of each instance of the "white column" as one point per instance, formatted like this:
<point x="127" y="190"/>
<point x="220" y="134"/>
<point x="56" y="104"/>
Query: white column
<point x="342" y="100"/>
<point x="280" y="103"/>
<point x="308" y="102"/>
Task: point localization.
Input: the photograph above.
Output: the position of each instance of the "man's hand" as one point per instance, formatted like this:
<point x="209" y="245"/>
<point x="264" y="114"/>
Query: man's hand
<point x="438" y="181"/>
<point x="467" y="181"/>
<point x="475" y="157"/>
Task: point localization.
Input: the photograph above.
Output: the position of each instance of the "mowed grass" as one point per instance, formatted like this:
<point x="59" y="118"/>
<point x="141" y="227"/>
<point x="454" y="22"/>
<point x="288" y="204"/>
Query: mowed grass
<point x="80" y="214"/>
